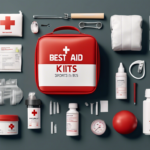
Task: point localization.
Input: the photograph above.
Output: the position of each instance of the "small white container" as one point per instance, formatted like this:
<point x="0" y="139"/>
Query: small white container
<point x="121" y="83"/>
<point x="72" y="120"/>
<point x="9" y="124"/>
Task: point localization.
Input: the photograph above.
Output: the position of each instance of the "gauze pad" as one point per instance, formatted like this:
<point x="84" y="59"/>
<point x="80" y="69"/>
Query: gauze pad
<point x="126" y="32"/>
<point x="10" y="58"/>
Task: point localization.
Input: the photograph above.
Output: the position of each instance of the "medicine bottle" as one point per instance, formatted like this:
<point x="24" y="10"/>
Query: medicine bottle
<point x="33" y="111"/>
<point x="72" y="120"/>
<point x="146" y="113"/>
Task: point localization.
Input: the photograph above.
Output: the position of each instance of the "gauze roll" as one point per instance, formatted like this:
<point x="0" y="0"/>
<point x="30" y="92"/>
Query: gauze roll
<point x="126" y="32"/>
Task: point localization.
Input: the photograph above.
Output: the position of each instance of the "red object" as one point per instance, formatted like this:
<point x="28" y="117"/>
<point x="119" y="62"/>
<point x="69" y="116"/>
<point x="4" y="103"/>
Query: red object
<point x="11" y="126"/>
<point x="125" y="122"/>
<point x="7" y="22"/>
<point x="9" y="118"/>
<point x="34" y="112"/>
<point x="67" y="63"/>
<point x="134" y="93"/>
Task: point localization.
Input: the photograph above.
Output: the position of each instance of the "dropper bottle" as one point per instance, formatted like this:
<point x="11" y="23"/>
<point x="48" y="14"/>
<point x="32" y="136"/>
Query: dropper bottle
<point x="121" y="83"/>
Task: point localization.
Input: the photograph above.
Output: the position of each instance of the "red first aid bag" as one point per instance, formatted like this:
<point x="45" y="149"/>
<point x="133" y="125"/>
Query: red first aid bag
<point x="67" y="63"/>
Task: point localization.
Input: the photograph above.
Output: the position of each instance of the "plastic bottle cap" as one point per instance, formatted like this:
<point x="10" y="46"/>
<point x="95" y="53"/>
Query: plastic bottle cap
<point x="147" y="93"/>
<point x="32" y="96"/>
<point x="73" y="105"/>
<point x="121" y="68"/>
<point x="32" y="100"/>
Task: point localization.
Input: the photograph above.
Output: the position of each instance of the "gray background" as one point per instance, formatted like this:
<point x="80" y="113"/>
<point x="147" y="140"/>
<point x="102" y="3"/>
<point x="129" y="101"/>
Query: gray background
<point x="38" y="139"/>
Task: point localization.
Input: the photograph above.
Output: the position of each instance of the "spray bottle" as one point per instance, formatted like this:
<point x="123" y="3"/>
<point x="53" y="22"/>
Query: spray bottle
<point x="34" y="111"/>
<point x="121" y="83"/>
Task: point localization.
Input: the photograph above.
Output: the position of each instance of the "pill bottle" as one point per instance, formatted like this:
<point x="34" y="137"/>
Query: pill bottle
<point x="146" y="113"/>
<point x="72" y="120"/>
<point x="121" y="83"/>
<point x="9" y="124"/>
<point x="33" y="111"/>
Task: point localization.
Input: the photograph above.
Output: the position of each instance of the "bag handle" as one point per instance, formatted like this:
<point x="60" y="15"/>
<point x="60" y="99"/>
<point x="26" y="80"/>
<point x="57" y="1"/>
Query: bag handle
<point x="66" y="28"/>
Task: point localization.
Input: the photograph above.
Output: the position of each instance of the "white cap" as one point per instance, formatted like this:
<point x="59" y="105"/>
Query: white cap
<point x="121" y="68"/>
<point x="147" y="93"/>
<point x="32" y="96"/>
<point x="73" y="105"/>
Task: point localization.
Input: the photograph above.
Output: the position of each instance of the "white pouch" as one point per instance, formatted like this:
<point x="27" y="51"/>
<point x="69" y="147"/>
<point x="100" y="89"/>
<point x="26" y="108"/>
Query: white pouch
<point x="126" y="32"/>
<point x="11" y="24"/>
<point x="10" y="58"/>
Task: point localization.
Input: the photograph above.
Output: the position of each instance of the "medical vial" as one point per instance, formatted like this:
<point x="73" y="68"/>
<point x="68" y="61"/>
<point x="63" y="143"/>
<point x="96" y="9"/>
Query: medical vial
<point x="33" y="111"/>
<point x="72" y="120"/>
<point x="146" y="113"/>
<point x="121" y="83"/>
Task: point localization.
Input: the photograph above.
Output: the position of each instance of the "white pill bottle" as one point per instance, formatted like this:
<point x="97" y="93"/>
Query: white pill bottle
<point x="146" y="113"/>
<point x="121" y="83"/>
<point x="72" y="120"/>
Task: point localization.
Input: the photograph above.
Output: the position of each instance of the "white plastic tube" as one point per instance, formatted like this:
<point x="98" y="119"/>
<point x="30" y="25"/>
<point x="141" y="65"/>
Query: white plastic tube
<point x="92" y="108"/>
<point x="50" y="108"/>
<point x="96" y="109"/>
<point x="54" y="108"/>
<point x="55" y="128"/>
<point x="52" y="127"/>
<point x="57" y="108"/>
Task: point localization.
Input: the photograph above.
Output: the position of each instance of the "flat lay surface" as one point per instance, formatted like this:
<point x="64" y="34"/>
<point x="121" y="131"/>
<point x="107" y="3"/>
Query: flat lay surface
<point x="41" y="138"/>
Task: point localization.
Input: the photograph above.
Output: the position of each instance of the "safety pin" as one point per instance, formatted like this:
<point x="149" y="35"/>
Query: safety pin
<point x="98" y="25"/>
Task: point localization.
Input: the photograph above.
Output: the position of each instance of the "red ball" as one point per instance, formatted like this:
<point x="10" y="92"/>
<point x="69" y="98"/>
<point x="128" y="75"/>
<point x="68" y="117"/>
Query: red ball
<point x="124" y="122"/>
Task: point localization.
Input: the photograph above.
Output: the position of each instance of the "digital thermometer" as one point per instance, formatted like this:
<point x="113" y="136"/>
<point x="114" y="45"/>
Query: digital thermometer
<point x="98" y="127"/>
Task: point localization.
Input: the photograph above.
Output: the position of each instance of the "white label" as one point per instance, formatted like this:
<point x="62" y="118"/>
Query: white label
<point x="34" y="115"/>
<point x="67" y="75"/>
<point x="121" y="87"/>
<point x="8" y="128"/>
<point x="72" y="126"/>
<point x="10" y="57"/>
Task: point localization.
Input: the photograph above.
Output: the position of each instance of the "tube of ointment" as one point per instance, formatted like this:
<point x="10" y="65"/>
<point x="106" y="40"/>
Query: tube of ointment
<point x="51" y="127"/>
<point x="96" y="109"/>
<point x="50" y="108"/>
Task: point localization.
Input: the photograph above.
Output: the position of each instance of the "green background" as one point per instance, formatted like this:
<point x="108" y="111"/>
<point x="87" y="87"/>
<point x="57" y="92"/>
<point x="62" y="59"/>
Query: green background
<point x="42" y="139"/>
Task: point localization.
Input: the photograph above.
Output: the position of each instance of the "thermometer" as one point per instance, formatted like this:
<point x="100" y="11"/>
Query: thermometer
<point x="98" y="127"/>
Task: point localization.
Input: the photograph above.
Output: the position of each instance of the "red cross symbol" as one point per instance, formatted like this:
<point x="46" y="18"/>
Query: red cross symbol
<point x="11" y="126"/>
<point x="7" y="22"/>
<point x="66" y="49"/>
<point x="34" y="112"/>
